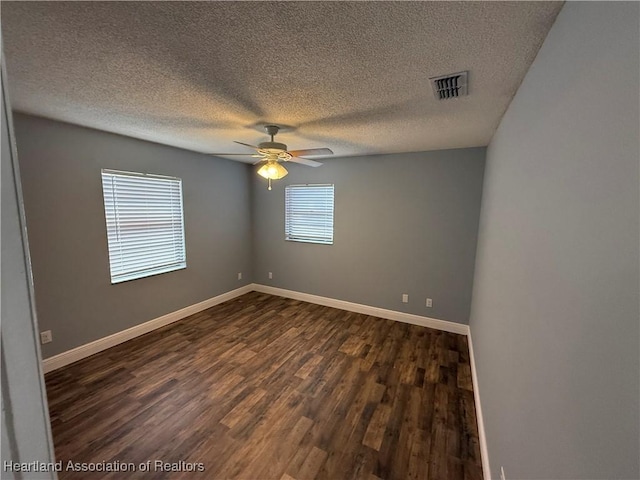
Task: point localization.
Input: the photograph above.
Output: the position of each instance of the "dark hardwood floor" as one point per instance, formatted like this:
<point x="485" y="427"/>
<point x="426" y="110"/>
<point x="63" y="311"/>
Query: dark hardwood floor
<point x="263" y="387"/>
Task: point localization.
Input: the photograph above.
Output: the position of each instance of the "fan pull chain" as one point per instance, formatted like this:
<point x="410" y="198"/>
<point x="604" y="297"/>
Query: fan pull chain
<point x="269" y="184"/>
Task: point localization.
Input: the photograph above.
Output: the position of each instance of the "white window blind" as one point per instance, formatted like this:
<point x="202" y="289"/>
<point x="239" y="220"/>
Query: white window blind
<point x="145" y="227"/>
<point x="309" y="213"/>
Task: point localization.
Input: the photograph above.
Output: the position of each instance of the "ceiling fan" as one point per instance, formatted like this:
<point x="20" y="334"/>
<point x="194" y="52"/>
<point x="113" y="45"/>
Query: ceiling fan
<point x="273" y="153"/>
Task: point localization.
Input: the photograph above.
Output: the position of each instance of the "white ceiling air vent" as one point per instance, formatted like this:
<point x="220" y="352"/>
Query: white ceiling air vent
<point x="450" y="86"/>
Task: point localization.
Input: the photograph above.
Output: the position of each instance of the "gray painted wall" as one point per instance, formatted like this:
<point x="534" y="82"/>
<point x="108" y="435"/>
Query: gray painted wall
<point x="26" y="434"/>
<point x="555" y="316"/>
<point x="404" y="223"/>
<point x="65" y="217"/>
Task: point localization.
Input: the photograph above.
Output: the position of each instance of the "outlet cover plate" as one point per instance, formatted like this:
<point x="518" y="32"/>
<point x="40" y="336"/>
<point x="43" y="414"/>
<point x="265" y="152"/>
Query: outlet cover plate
<point x="46" y="337"/>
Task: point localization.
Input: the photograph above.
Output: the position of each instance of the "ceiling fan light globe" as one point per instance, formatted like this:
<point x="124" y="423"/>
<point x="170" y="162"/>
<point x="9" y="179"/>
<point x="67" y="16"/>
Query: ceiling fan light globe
<point x="273" y="171"/>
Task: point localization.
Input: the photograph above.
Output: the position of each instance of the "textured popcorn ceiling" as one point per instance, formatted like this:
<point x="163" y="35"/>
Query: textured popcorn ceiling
<point x="352" y="76"/>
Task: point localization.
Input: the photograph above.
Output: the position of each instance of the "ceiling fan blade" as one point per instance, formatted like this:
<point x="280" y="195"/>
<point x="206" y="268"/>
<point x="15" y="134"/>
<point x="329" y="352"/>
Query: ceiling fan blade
<point x="247" y="145"/>
<point x="228" y="154"/>
<point x="304" y="161"/>
<point x="311" y="152"/>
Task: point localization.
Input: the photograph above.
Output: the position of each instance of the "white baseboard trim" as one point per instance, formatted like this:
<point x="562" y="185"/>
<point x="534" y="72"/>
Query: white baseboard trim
<point x="484" y="454"/>
<point x="366" y="309"/>
<point x="83" y="351"/>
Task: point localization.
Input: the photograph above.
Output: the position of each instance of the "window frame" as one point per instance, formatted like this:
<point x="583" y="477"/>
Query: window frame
<point x="300" y="238"/>
<point x="180" y="263"/>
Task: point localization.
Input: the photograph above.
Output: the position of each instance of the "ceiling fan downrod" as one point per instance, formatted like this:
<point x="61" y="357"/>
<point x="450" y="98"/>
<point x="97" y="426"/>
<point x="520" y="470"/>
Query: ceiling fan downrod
<point x="272" y="130"/>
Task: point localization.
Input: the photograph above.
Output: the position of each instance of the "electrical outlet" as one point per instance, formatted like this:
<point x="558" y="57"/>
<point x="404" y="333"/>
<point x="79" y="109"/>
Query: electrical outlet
<point x="270" y="275"/>
<point x="502" y="475"/>
<point x="405" y="298"/>
<point x="46" y="337"/>
<point x="239" y="275"/>
<point x="429" y="303"/>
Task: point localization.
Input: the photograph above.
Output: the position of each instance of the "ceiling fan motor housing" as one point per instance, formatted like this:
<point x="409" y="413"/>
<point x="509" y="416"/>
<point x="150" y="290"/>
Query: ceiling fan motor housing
<point x="272" y="147"/>
<point x="273" y="150"/>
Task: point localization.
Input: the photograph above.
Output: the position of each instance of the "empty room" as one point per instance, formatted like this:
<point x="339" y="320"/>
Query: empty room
<point x="320" y="240"/>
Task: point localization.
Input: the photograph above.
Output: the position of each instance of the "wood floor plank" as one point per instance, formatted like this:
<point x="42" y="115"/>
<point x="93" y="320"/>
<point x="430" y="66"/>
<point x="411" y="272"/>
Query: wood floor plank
<point x="242" y="409"/>
<point x="264" y="387"/>
<point x="312" y="464"/>
<point x="307" y="369"/>
<point x="377" y="426"/>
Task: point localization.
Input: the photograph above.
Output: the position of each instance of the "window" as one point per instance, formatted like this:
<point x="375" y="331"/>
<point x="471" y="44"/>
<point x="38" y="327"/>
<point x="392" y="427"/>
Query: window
<point x="145" y="227"/>
<point x="309" y="213"/>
